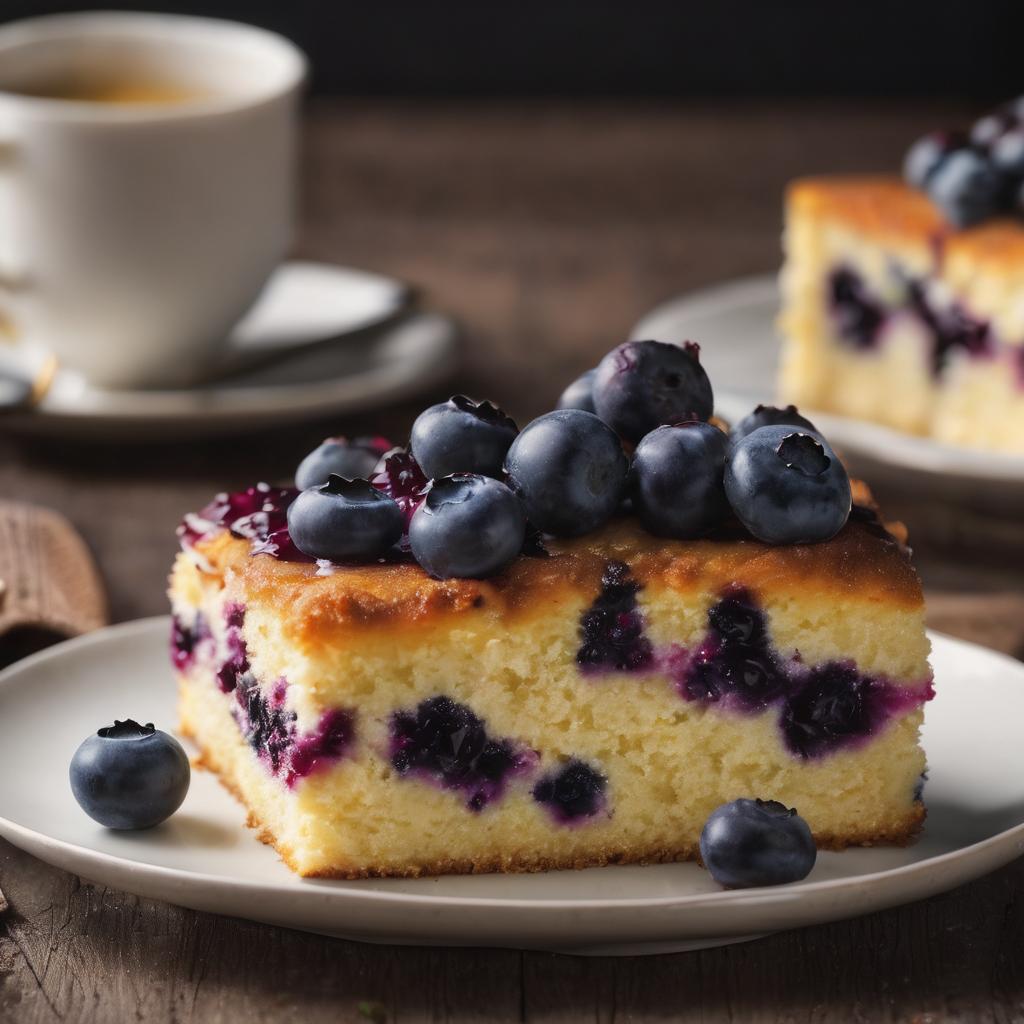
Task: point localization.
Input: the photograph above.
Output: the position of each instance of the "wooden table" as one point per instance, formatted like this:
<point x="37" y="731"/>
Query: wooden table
<point x="548" y="228"/>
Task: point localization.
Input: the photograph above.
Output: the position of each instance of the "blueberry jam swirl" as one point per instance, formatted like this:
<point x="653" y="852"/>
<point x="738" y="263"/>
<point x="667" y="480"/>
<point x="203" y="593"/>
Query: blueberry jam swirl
<point x="822" y="708"/>
<point x="612" y="628"/>
<point x="445" y="743"/>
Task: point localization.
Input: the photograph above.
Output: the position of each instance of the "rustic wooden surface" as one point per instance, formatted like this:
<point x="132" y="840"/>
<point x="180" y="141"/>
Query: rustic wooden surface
<point x="548" y="228"/>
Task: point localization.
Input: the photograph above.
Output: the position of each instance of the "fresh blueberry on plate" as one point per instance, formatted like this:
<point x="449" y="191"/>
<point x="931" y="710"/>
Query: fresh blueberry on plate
<point x="676" y="480"/>
<point x="966" y="187"/>
<point x="642" y="384"/>
<point x="130" y="776"/>
<point x="787" y="486"/>
<point x="569" y="470"/>
<point x="344" y="520"/>
<point x="580" y="393"/>
<point x="462" y="436"/>
<point x="338" y="456"/>
<point x="925" y="155"/>
<point x="770" y="416"/>
<point x="468" y="526"/>
<point x="750" y="843"/>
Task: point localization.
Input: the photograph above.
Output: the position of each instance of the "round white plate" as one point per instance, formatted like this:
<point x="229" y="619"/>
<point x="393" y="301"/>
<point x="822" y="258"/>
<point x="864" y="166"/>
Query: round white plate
<point x="205" y="858"/>
<point x="339" y="365"/>
<point x="735" y="326"/>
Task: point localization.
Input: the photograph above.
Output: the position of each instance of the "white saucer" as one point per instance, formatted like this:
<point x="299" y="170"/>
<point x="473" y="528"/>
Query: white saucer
<point x="735" y="325"/>
<point x="352" y="368"/>
<point x="205" y="858"/>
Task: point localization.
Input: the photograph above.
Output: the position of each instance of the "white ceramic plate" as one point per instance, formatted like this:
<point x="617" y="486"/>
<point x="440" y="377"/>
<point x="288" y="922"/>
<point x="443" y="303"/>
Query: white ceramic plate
<point x="338" y="366"/>
<point x="205" y="858"/>
<point x="735" y="325"/>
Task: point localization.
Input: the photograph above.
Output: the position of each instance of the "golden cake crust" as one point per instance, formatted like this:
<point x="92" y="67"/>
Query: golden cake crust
<point x="889" y="210"/>
<point x="862" y="562"/>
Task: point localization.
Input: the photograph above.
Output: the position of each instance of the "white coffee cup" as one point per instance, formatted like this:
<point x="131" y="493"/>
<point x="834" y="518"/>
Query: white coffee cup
<point x="134" y="235"/>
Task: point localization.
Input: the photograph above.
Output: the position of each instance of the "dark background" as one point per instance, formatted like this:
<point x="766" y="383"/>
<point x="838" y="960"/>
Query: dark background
<point x="970" y="49"/>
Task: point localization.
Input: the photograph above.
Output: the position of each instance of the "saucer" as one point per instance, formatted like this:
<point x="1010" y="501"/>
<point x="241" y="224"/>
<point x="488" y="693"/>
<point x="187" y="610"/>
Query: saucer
<point x="353" y="349"/>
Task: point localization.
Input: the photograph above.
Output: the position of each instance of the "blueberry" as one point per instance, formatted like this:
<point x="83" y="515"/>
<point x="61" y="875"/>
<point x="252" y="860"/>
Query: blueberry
<point x="924" y="156"/>
<point x="857" y="317"/>
<point x="574" y="791"/>
<point x="130" y="776"/>
<point x="770" y="416"/>
<point x="344" y="520"/>
<point x="468" y="526"/>
<point x="966" y="188"/>
<point x="612" y="629"/>
<point x="642" y="384"/>
<point x="580" y="393"/>
<point x="338" y="456"/>
<point x="462" y="436"/>
<point x="988" y="129"/>
<point x="676" y="479"/>
<point x="756" y="842"/>
<point x="787" y="487"/>
<point x="1007" y="153"/>
<point x="569" y="470"/>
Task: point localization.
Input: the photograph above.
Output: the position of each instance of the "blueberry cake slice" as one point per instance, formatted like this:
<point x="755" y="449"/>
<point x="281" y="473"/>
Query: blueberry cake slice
<point x="591" y="702"/>
<point x="903" y="301"/>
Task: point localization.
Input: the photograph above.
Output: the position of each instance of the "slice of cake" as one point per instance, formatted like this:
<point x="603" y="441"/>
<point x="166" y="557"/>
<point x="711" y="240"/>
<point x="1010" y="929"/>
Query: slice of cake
<point x="590" y="703"/>
<point x="891" y="314"/>
<point x="903" y="301"/>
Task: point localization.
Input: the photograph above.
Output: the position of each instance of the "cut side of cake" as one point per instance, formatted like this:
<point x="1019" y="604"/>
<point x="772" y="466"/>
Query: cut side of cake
<point x="890" y="314"/>
<point x="592" y="703"/>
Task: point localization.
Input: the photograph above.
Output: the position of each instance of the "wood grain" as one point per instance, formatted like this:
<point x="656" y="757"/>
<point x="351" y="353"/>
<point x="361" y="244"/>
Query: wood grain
<point x="48" y="579"/>
<point x="548" y="228"/>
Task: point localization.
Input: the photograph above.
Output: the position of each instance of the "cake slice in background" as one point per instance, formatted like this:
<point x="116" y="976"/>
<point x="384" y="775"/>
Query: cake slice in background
<point x="890" y="314"/>
<point x="903" y="301"/>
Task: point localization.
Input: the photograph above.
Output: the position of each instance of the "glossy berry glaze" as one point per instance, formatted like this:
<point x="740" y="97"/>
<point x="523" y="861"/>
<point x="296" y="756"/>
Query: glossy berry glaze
<point x="572" y="793"/>
<point x="612" y="629"/>
<point x="257" y="514"/>
<point x="445" y="743"/>
<point x="859" y="319"/>
<point x="735" y="666"/>
<point x="399" y="476"/>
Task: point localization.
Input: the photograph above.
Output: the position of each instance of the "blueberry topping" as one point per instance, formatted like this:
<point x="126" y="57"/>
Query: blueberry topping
<point x="344" y="520"/>
<point x="448" y="744"/>
<point x="338" y="456"/>
<point x="835" y="706"/>
<point x="399" y="476"/>
<point x="642" y="384"/>
<point x="574" y="791"/>
<point x="966" y="187"/>
<point x="676" y="479"/>
<point x="612" y="628"/>
<point x="925" y="155"/>
<point x="130" y="776"/>
<point x="467" y="526"/>
<point x="857" y="317"/>
<point x="258" y="514"/>
<point x="580" y="393"/>
<point x="735" y="661"/>
<point x="756" y="842"/>
<point x="787" y="487"/>
<point x="462" y="436"/>
<point x="770" y="416"/>
<point x="569" y="470"/>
